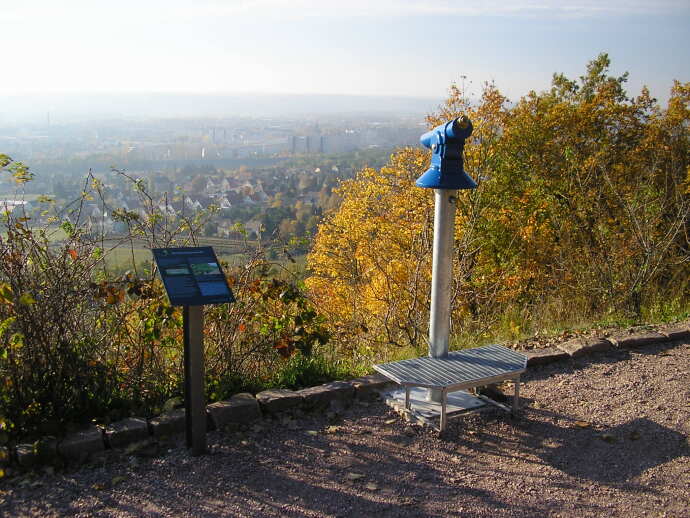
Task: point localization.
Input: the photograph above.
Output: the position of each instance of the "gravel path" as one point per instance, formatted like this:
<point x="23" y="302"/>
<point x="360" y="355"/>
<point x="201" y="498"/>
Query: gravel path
<point x="605" y="435"/>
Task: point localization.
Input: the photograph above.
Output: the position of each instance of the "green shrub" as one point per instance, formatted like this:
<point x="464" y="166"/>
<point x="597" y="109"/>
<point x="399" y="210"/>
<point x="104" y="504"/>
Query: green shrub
<point x="82" y="341"/>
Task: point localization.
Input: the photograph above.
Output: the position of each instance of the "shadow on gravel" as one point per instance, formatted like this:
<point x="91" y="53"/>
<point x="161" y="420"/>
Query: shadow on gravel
<point x="316" y="476"/>
<point x="613" y="456"/>
<point x="291" y="473"/>
<point x="281" y="472"/>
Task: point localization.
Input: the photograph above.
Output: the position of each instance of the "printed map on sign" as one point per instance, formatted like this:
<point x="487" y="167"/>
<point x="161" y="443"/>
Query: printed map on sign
<point x="192" y="276"/>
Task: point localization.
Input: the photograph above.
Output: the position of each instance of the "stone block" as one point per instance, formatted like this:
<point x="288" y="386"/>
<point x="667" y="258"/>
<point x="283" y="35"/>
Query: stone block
<point x="275" y="401"/>
<point x="170" y="423"/>
<point x="239" y="409"/>
<point x="320" y="397"/>
<point x="368" y="387"/>
<point x="27" y="456"/>
<point x="637" y="339"/>
<point x="582" y="346"/>
<point x="78" y="446"/>
<point x="676" y="333"/>
<point x="544" y="356"/>
<point x="127" y="431"/>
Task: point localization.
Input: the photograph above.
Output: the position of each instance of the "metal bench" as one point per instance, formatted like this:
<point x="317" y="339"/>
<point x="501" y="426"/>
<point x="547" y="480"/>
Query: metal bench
<point x="459" y="370"/>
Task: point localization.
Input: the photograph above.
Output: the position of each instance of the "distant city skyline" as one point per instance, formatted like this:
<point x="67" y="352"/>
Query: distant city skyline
<point x="384" y="48"/>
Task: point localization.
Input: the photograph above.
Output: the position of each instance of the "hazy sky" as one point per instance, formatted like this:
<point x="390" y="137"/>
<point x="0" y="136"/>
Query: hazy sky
<point x="386" y="47"/>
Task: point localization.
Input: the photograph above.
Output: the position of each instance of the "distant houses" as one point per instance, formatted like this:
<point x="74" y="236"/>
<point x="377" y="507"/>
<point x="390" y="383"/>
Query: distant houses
<point x="221" y="192"/>
<point x="233" y="230"/>
<point x="14" y="206"/>
<point x="251" y="199"/>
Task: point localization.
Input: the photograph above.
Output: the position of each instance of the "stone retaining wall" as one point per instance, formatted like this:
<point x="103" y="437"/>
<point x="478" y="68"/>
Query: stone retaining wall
<point x="583" y="346"/>
<point x="240" y="409"/>
<point x="245" y="408"/>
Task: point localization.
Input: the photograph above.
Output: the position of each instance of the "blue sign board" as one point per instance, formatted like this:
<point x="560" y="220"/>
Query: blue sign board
<point x="192" y="276"/>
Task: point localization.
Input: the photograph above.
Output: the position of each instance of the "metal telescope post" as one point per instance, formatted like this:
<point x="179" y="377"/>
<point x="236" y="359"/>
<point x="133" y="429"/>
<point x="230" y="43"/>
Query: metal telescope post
<point x="441" y="277"/>
<point x="446" y="175"/>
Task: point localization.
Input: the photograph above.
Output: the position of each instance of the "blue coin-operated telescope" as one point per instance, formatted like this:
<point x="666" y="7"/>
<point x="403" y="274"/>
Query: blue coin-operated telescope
<point x="447" y="142"/>
<point x="446" y="175"/>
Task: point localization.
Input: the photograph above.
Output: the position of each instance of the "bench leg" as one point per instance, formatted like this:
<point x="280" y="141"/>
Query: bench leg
<point x="444" y="401"/>
<point x="407" y="398"/>
<point x="516" y="397"/>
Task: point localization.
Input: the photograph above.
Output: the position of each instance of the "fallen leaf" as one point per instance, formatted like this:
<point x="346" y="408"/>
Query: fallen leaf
<point x="26" y="299"/>
<point x="332" y="429"/>
<point x="371" y="486"/>
<point x="354" y="476"/>
<point x="582" y="424"/>
<point x="312" y="432"/>
<point x="389" y="421"/>
<point x="98" y="486"/>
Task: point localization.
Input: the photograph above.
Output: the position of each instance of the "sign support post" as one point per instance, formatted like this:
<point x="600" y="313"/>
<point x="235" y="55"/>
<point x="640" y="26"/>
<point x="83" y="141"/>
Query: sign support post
<point x="192" y="277"/>
<point x="194" y="398"/>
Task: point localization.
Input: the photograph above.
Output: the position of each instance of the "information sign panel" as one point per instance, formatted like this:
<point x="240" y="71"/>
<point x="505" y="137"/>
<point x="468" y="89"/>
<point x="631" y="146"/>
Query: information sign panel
<point x="192" y="276"/>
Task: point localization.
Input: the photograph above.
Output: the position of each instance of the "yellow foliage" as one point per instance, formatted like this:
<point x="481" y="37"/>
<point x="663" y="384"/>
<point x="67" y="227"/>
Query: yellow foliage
<point x="582" y="194"/>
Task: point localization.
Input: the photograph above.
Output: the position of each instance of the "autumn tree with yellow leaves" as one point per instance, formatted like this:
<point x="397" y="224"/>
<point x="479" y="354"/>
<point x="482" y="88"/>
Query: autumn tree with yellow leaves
<point x="582" y="211"/>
